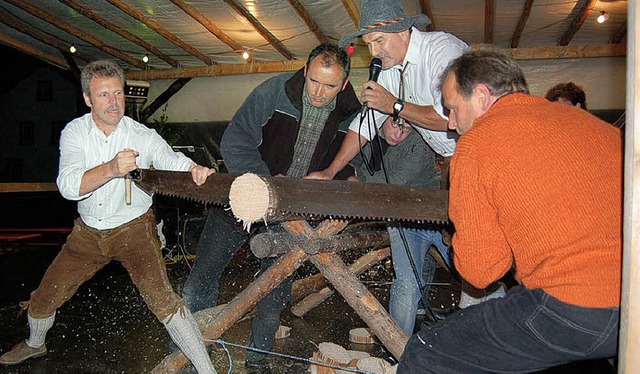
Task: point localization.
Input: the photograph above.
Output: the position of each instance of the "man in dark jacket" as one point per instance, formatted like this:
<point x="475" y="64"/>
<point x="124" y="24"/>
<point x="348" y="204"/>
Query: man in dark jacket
<point x="290" y="125"/>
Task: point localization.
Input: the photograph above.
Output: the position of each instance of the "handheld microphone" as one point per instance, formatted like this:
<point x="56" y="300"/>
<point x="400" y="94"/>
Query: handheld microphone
<point x="374" y="71"/>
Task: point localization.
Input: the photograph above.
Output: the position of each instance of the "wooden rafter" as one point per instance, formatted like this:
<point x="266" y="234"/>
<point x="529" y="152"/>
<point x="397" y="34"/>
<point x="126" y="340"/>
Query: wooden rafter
<point x="153" y="25"/>
<point x="28" y="49"/>
<point x="522" y="21"/>
<point x="266" y="34"/>
<point x="306" y="17"/>
<point x="77" y="32"/>
<point x="537" y="53"/>
<point x="39" y="35"/>
<point x="204" y="21"/>
<point x="619" y="34"/>
<point x="425" y="6"/>
<point x="581" y="14"/>
<point x="489" y="11"/>
<point x="118" y="30"/>
<point x="352" y="11"/>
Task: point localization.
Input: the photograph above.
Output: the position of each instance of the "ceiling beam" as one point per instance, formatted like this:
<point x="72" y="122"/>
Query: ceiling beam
<point x="268" y="36"/>
<point x="537" y="53"/>
<point x="119" y="30"/>
<point x="30" y="50"/>
<point x="582" y="10"/>
<point x="306" y="17"/>
<point x="352" y="11"/>
<point x="39" y="35"/>
<point x="153" y="25"/>
<point x="425" y="6"/>
<point x="204" y="21"/>
<point x="522" y="22"/>
<point x="489" y="11"/>
<point x="619" y="34"/>
<point x="565" y="52"/>
<point x="77" y="32"/>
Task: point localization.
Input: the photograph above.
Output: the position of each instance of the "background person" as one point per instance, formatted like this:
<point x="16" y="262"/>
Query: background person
<point x="400" y="156"/>
<point x="568" y="93"/>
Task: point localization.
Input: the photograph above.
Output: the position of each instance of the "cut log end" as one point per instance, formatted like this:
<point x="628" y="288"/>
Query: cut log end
<point x="250" y="199"/>
<point x="374" y="365"/>
<point x="361" y="335"/>
<point x="333" y="354"/>
<point x="283" y="332"/>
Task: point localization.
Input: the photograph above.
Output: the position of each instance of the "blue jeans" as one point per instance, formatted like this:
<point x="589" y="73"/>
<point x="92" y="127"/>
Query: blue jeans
<point x="526" y="331"/>
<point x="221" y="238"/>
<point x="406" y="289"/>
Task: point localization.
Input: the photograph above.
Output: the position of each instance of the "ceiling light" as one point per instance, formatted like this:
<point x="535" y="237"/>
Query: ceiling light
<point x="603" y="17"/>
<point x="72" y="49"/>
<point x="145" y="58"/>
<point x="245" y="54"/>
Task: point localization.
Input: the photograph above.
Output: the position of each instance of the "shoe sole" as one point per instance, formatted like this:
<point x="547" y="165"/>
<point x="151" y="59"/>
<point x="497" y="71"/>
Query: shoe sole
<point x="36" y="355"/>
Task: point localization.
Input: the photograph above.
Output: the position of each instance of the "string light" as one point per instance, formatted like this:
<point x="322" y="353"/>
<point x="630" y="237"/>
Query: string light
<point x="72" y="49"/>
<point x="145" y="58"/>
<point x="603" y="17"/>
<point x="351" y="49"/>
<point x="245" y="55"/>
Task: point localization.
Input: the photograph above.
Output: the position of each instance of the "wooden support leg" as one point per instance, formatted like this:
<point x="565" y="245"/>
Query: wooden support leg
<point x="362" y="301"/>
<point x="314" y="283"/>
<point x="256" y="291"/>
<point x="240" y="305"/>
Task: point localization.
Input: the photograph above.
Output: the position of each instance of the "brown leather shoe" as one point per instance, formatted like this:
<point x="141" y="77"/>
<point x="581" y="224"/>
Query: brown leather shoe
<point x="22" y="352"/>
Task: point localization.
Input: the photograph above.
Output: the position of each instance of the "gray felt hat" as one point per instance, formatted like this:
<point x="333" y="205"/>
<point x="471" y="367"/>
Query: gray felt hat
<point x="383" y="16"/>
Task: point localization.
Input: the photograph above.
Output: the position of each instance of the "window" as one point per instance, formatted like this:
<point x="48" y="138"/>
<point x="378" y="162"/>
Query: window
<point x="45" y="90"/>
<point x="27" y="133"/>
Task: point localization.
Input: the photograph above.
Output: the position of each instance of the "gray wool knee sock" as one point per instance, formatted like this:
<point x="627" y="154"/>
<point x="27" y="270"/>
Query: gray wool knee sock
<point x="183" y="329"/>
<point x="38" y="328"/>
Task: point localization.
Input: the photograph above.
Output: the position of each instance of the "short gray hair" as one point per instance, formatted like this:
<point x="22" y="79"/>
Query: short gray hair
<point x="101" y="69"/>
<point x="501" y="74"/>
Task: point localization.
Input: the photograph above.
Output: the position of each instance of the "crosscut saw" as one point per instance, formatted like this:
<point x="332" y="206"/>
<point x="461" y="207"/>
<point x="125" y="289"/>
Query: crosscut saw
<point x="303" y="198"/>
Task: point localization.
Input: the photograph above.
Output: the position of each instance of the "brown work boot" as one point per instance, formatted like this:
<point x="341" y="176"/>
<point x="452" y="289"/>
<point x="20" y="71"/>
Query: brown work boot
<point x="22" y="352"/>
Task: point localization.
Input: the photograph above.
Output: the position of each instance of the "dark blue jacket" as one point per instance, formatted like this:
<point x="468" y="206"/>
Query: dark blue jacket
<point x="261" y="136"/>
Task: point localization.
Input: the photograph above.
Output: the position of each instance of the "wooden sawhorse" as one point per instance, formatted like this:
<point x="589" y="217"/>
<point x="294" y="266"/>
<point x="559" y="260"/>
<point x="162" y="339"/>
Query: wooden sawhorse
<point x="214" y="322"/>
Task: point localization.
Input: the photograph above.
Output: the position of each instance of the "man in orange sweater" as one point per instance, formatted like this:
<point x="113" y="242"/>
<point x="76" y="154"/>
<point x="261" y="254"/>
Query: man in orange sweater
<point x="535" y="186"/>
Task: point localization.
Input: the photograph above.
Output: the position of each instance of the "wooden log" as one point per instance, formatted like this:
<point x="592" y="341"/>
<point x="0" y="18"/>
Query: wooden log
<point x="239" y="306"/>
<point x="271" y="244"/>
<point x="311" y="301"/>
<point x="361" y="335"/>
<point x="362" y="302"/>
<point x="256" y="291"/>
<point x="253" y="198"/>
<point x="301" y="288"/>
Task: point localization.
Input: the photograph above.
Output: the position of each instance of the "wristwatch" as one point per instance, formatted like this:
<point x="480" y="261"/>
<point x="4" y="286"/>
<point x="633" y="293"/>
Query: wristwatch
<point x="397" y="108"/>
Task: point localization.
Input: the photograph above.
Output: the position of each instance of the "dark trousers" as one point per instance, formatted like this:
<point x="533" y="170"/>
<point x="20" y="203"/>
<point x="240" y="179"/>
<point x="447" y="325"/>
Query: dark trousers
<point x="526" y="331"/>
<point x="221" y="238"/>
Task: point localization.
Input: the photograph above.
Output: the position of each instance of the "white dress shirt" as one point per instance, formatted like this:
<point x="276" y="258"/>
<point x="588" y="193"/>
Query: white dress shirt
<point x="429" y="53"/>
<point x="83" y="146"/>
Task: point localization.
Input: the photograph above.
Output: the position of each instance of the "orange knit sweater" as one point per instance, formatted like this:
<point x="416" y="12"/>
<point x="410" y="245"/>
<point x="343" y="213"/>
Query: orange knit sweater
<point x="538" y="186"/>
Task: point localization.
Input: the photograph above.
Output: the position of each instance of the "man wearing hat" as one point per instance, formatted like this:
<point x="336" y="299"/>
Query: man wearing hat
<point x="407" y="90"/>
<point x="419" y="57"/>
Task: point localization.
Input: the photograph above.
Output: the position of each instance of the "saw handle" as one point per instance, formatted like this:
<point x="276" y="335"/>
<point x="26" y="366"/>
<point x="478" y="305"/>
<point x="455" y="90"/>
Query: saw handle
<point x="134" y="174"/>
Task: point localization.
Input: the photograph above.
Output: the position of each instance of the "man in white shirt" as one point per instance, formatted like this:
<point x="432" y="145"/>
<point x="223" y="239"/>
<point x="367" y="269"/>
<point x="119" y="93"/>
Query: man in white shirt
<point x="420" y="56"/>
<point x="97" y="151"/>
